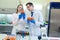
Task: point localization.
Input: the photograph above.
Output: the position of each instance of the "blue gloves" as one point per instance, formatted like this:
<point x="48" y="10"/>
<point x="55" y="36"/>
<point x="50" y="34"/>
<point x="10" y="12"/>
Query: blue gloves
<point x="22" y="15"/>
<point x="32" y="21"/>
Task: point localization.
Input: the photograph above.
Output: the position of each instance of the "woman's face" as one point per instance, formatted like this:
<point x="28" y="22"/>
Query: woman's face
<point x="20" y="8"/>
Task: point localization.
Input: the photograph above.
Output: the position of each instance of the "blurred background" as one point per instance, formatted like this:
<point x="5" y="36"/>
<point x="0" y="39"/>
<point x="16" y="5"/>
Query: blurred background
<point x="8" y="7"/>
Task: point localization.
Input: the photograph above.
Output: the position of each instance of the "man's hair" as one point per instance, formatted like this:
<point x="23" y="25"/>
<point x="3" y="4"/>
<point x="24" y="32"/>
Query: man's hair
<point x="29" y="3"/>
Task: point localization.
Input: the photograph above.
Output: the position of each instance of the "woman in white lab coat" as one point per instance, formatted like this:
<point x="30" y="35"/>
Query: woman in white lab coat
<point x="18" y="19"/>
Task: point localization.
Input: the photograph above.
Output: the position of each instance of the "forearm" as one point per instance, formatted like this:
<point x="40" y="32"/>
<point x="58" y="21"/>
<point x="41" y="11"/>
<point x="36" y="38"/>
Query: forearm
<point x="39" y="23"/>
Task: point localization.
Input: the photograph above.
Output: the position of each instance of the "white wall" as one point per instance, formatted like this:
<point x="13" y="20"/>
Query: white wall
<point x="8" y="3"/>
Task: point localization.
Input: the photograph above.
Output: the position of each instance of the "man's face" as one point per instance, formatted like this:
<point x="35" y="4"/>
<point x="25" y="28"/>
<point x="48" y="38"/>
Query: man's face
<point x="30" y="8"/>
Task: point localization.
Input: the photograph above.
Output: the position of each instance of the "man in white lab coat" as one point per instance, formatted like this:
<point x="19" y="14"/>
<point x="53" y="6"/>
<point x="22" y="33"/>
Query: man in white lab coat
<point x="38" y="20"/>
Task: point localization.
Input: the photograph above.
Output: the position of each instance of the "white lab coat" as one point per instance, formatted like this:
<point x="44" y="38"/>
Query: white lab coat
<point x="18" y="25"/>
<point x="38" y="17"/>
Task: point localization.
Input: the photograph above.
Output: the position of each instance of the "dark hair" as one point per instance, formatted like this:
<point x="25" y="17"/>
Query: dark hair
<point x="29" y="3"/>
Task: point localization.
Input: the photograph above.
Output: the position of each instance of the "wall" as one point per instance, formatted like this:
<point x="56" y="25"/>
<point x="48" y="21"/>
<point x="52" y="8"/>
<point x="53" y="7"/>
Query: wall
<point x="55" y="0"/>
<point x="8" y="3"/>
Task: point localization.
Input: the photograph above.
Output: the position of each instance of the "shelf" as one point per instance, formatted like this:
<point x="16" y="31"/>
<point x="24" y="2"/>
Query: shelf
<point x="6" y="25"/>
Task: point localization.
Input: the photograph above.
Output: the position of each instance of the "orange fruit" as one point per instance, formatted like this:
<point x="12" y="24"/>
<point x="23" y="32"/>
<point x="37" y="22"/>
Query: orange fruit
<point x="30" y="18"/>
<point x="10" y="38"/>
<point x="22" y="11"/>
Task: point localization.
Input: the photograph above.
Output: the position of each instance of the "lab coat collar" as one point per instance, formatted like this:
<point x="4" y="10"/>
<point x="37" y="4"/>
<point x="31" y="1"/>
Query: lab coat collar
<point x="33" y="11"/>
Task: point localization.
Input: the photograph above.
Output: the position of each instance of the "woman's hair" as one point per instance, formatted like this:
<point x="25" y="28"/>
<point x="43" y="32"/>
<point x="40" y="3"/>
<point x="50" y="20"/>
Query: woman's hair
<point x="18" y="6"/>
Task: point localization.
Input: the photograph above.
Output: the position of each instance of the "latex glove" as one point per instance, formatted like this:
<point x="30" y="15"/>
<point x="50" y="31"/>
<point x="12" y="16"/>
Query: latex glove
<point x="22" y="15"/>
<point x="29" y="19"/>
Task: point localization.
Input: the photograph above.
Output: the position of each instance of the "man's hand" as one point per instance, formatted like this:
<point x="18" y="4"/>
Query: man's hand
<point x="30" y="19"/>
